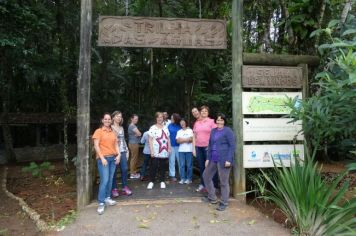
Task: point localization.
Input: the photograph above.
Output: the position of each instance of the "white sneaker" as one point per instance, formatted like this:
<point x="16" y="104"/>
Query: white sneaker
<point x="181" y="182"/>
<point x="150" y="185"/>
<point x="101" y="208"/>
<point x="163" y="185"/>
<point x="110" y="202"/>
<point x="188" y="181"/>
<point x="200" y="188"/>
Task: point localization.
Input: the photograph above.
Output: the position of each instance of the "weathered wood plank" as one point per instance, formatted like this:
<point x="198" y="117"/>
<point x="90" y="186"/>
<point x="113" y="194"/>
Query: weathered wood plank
<point x="84" y="184"/>
<point x="279" y="59"/>
<point x="272" y="77"/>
<point x="158" y="32"/>
<point x="239" y="183"/>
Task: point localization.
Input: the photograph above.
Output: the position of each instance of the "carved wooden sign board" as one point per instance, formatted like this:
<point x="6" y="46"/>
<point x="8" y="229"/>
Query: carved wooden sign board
<point x="272" y="77"/>
<point x="154" y="32"/>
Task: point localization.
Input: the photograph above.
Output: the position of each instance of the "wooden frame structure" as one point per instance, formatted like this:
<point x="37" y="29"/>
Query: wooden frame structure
<point x="84" y="183"/>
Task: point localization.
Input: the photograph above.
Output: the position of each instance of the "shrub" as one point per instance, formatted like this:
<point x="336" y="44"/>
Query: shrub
<point x="37" y="170"/>
<point x="310" y="204"/>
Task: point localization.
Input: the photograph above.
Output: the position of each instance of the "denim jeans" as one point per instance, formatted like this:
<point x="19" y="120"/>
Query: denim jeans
<point x="106" y="174"/>
<point x="172" y="161"/>
<point x="124" y="171"/>
<point x="202" y="155"/>
<point x="146" y="160"/>
<point x="185" y="162"/>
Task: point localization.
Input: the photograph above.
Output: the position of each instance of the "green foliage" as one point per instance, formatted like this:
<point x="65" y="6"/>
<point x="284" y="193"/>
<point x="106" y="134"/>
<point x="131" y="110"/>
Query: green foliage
<point x="312" y="206"/>
<point x="328" y="114"/>
<point x="66" y="220"/>
<point x="37" y="170"/>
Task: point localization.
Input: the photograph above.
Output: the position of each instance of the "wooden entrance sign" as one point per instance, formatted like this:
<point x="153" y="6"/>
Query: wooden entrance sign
<point x="272" y="77"/>
<point x="154" y="32"/>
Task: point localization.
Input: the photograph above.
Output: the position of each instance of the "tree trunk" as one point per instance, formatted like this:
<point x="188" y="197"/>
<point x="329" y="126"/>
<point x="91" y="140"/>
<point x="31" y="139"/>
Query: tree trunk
<point x="320" y="21"/>
<point x="239" y="183"/>
<point x="5" y="90"/>
<point x="345" y="11"/>
<point x="84" y="184"/>
<point x="288" y="25"/>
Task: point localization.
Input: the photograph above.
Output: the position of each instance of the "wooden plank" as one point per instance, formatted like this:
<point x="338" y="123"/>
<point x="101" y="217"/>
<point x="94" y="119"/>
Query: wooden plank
<point x="239" y="183"/>
<point x="267" y="102"/>
<point x="279" y="59"/>
<point x="263" y="156"/>
<point x="154" y="32"/>
<point x="271" y="129"/>
<point x="84" y="184"/>
<point x="271" y="77"/>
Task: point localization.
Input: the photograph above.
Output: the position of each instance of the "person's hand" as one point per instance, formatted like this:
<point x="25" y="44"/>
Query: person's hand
<point x="127" y="154"/>
<point x="194" y="153"/>
<point x="227" y="164"/>
<point x="117" y="159"/>
<point x="104" y="162"/>
<point x="169" y="151"/>
<point x="206" y="163"/>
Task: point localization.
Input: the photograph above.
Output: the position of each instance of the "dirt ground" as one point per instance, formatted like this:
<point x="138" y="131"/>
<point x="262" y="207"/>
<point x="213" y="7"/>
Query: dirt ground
<point x="13" y="221"/>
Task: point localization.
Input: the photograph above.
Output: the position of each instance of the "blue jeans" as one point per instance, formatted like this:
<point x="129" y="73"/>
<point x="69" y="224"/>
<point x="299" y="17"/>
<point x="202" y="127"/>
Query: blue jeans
<point x="202" y="155"/>
<point x="172" y="161"/>
<point x="146" y="160"/>
<point x="124" y="171"/>
<point x="106" y="174"/>
<point x="185" y="161"/>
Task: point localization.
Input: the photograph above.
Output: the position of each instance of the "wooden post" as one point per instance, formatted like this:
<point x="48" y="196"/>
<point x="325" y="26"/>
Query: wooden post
<point x="83" y="109"/>
<point x="239" y="184"/>
<point x="305" y="80"/>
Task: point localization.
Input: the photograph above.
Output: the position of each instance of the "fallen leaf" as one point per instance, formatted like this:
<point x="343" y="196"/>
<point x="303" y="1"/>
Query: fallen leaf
<point x="157" y="206"/>
<point x="145" y="221"/>
<point x="147" y="206"/>
<point x="143" y="226"/>
<point x="252" y="222"/>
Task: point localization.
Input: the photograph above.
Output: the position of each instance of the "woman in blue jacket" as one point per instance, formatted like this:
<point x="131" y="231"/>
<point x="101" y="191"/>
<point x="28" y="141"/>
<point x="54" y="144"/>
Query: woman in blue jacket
<point x="220" y="159"/>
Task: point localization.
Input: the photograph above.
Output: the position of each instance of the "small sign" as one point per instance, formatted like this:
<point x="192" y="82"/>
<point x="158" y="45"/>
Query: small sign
<point x="157" y="32"/>
<point x="272" y="77"/>
<point x="263" y="156"/>
<point x="267" y="102"/>
<point x="271" y="129"/>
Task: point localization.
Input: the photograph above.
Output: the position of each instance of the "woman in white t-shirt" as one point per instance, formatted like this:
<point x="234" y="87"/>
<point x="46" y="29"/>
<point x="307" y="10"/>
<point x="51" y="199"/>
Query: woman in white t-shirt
<point x="160" y="148"/>
<point x="186" y="140"/>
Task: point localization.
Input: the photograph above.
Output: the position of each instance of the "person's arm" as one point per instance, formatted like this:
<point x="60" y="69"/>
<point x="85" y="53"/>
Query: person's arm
<point x="143" y="138"/>
<point x="118" y="156"/>
<point x="150" y="141"/>
<point x="193" y="143"/>
<point x="231" y="140"/>
<point x="136" y="132"/>
<point x="98" y="152"/>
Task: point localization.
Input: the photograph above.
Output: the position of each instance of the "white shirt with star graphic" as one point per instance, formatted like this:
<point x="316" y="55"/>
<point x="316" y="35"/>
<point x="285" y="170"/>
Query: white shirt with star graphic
<point x="160" y="141"/>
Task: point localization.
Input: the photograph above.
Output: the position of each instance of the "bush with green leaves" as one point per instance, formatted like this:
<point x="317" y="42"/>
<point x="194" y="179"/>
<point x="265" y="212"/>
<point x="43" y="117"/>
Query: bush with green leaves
<point x="312" y="206"/>
<point x="37" y="170"/>
<point x="329" y="115"/>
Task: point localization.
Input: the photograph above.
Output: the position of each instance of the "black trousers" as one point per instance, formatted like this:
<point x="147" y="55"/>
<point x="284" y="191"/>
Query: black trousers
<point x="158" y="164"/>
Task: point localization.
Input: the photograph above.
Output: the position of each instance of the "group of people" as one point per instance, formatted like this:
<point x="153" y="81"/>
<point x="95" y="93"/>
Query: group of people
<point x="167" y="141"/>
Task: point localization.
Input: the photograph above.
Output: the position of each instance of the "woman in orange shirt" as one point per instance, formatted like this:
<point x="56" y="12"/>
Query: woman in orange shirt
<point x="107" y="157"/>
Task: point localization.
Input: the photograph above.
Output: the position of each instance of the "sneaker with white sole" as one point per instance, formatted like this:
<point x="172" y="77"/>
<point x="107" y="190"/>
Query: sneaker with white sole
<point x="163" y="185"/>
<point x="200" y="188"/>
<point x="188" y="181"/>
<point x="110" y="202"/>
<point x="181" y="181"/>
<point x="101" y="208"/>
<point x="150" y="185"/>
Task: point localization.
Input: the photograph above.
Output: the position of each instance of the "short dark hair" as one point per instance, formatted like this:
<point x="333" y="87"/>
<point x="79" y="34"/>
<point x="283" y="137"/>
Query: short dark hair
<point x="185" y="121"/>
<point x="222" y="116"/>
<point x="176" y="118"/>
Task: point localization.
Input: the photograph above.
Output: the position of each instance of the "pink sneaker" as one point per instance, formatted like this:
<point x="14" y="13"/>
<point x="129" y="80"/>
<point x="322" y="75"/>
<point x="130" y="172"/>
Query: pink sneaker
<point x="126" y="191"/>
<point x="115" y="193"/>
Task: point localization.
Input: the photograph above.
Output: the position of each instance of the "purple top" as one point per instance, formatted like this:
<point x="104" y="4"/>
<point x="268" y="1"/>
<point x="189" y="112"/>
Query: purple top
<point x="214" y="151"/>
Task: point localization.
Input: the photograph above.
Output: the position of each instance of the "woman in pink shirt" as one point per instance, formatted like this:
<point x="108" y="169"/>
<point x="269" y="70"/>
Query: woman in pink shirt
<point x="202" y="129"/>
